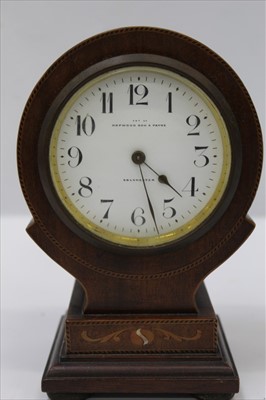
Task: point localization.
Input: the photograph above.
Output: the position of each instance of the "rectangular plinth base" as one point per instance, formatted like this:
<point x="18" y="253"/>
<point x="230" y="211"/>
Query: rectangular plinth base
<point x="204" y="375"/>
<point x="136" y="333"/>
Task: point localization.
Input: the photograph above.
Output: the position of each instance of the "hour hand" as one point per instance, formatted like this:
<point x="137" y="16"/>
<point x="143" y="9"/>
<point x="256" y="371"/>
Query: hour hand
<point x="138" y="157"/>
<point x="163" y="179"/>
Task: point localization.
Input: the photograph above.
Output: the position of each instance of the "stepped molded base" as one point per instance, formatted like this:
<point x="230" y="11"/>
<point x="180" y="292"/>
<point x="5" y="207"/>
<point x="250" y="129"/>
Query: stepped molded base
<point x="206" y="376"/>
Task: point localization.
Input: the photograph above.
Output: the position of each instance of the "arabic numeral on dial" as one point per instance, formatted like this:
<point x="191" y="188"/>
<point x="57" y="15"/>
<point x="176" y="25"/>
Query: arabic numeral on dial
<point x="106" y="215"/>
<point x="191" y="187"/>
<point x="85" y="125"/>
<point x="107" y="103"/>
<point x="137" y="217"/>
<point x="169" y="101"/>
<point x="85" y="189"/>
<point x="202" y="160"/>
<point x="169" y="212"/>
<point x="76" y="156"/>
<point x="141" y="91"/>
<point x="194" y="122"/>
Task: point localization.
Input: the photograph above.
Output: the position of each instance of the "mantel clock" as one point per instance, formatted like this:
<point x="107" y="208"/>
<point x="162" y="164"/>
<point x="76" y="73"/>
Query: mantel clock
<point x="139" y="155"/>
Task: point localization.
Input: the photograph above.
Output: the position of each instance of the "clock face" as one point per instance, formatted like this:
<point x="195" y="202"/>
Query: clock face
<point x="140" y="157"/>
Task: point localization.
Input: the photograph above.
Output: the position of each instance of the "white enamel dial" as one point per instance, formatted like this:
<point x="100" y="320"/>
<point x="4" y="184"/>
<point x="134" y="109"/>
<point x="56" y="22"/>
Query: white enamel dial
<point x="140" y="156"/>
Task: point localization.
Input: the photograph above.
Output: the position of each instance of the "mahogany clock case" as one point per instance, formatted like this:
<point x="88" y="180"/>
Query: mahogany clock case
<point x="166" y="284"/>
<point x="213" y="243"/>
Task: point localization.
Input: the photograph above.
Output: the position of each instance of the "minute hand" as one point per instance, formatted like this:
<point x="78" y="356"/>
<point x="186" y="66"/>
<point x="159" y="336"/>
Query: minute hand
<point x="163" y="179"/>
<point x="149" y="201"/>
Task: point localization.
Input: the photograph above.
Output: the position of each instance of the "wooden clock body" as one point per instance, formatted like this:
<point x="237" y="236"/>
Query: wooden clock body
<point x="140" y="323"/>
